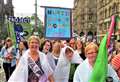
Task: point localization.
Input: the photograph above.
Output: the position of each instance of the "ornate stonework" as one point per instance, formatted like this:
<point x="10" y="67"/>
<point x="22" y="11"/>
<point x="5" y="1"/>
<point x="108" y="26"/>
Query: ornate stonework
<point x="5" y="10"/>
<point x="85" y="15"/>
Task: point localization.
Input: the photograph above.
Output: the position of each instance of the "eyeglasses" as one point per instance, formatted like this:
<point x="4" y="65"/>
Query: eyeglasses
<point x="92" y="53"/>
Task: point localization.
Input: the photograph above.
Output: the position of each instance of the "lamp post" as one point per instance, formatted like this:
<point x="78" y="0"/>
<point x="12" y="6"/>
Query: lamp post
<point x="35" y="28"/>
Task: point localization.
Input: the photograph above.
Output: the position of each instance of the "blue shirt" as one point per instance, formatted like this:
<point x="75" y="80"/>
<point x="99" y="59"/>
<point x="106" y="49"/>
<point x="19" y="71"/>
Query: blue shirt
<point x="4" y="53"/>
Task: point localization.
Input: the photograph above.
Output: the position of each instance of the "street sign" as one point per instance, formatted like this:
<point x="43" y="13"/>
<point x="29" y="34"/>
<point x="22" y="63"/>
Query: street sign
<point x="19" y="19"/>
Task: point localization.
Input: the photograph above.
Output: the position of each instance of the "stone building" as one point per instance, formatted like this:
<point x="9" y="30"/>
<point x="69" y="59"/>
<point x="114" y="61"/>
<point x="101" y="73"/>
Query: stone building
<point x="105" y="9"/>
<point x="5" y="11"/>
<point x="2" y="17"/>
<point x="9" y="8"/>
<point x="85" y="16"/>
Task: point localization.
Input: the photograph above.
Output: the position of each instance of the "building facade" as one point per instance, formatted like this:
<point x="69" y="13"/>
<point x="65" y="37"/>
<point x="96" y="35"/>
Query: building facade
<point x="85" y="16"/>
<point x="1" y="14"/>
<point x="5" y="11"/>
<point x="105" y="9"/>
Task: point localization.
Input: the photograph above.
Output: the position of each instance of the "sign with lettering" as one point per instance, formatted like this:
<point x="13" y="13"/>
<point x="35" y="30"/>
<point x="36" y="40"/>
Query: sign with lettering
<point x="19" y="19"/>
<point x="58" y="23"/>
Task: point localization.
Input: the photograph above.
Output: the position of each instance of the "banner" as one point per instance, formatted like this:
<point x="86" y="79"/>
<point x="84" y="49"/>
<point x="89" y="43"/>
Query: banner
<point x="58" y="23"/>
<point x="18" y="29"/>
<point x="11" y="31"/>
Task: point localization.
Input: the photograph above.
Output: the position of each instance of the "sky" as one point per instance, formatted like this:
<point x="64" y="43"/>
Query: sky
<point x="27" y="8"/>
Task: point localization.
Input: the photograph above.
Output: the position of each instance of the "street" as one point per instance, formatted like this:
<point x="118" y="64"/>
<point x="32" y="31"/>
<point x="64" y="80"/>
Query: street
<point x="2" y="75"/>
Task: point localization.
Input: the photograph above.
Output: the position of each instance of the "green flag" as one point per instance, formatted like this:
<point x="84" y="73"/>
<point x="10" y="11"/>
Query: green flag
<point x="99" y="72"/>
<point x="11" y="30"/>
<point x="117" y="20"/>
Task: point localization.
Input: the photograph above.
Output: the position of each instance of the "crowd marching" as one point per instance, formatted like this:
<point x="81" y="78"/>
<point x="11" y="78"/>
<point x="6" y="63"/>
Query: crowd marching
<point x="71" y="60"/>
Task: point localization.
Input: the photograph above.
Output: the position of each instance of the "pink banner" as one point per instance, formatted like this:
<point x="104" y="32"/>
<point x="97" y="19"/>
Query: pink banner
<point x="111" y="30"/>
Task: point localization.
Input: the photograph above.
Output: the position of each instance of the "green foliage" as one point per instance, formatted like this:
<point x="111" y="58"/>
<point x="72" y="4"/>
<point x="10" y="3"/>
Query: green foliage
<point x="39" y="26"/>
<point x="29" y="27"/>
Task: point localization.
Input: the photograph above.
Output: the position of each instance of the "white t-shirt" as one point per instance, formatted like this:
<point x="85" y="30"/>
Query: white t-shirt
<point x="21" y="72"/>
<point x="84" y="71"/>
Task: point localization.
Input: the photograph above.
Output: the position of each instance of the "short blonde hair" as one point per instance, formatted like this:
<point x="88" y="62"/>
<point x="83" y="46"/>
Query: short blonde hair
<point x="90" y="46"/>
<point x="34" y="37"/>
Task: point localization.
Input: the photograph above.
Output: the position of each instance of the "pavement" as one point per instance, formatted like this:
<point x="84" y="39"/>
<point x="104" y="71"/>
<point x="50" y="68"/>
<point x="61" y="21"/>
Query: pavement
<point x="2" y="74"/>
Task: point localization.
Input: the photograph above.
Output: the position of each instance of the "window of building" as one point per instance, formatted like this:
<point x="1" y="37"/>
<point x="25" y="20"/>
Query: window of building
<point x="117" y="8"/>
<point x="110" y="11"/>
<point x="105" y="13"/>
<point x="82" y="17"/>
<point x="113" y="9"/>
<point x="102" y="14"/>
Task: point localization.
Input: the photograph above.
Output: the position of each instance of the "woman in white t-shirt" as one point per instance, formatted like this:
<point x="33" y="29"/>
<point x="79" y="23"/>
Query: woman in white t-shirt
<point x="33" y="65"/>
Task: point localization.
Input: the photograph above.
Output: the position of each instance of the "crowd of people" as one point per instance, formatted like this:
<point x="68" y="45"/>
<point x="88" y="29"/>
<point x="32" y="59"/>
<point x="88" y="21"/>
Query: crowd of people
<point x="38" y="60"/>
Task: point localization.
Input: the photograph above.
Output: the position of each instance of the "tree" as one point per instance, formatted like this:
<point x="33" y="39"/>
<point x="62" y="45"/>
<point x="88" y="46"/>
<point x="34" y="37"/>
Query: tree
<point x="39" y="26"/>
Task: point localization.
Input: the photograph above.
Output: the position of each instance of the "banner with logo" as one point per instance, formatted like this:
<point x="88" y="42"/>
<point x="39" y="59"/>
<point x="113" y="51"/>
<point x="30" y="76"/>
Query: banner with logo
<point x="18" y="29"/>
<point x="58" y="23"/>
